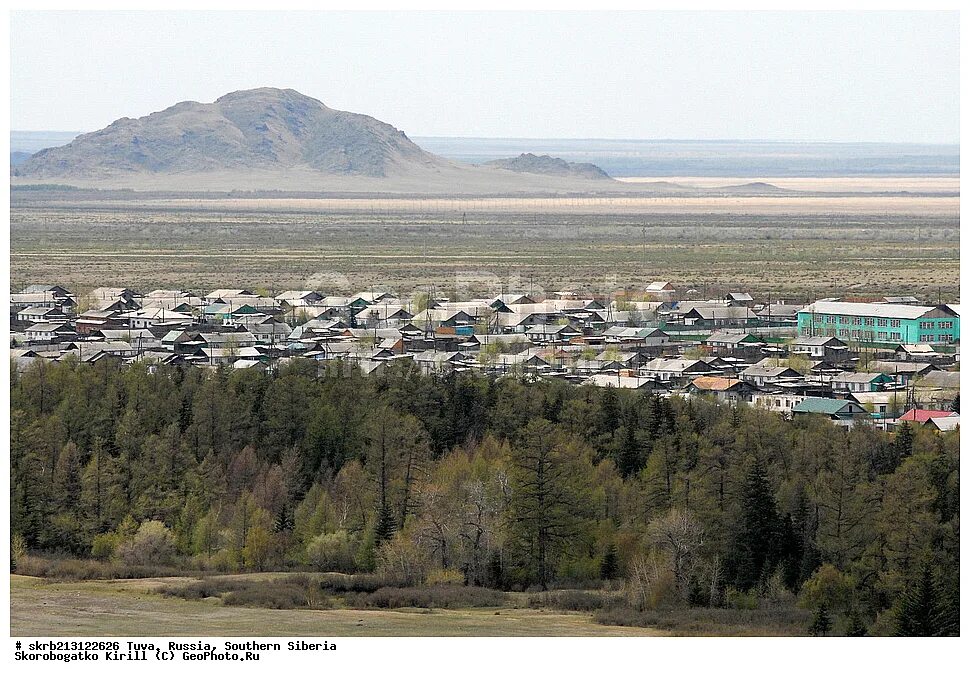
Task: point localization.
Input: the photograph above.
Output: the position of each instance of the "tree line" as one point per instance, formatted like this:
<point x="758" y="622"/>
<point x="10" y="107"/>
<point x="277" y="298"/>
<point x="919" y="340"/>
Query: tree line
<point x="506" y="483"/>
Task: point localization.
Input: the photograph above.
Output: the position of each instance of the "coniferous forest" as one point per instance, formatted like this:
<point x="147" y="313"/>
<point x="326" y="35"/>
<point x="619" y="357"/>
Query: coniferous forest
<point x="506" y="483"/>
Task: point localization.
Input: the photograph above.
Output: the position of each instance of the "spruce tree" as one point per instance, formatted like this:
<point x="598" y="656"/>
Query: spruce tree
<point x="919" y="611"/>
<point x="821" y="622"/>
<point x="755" y="548"/>
<point x="610" y="565"/>
<point x="385" y="527"/>
<point x="628" y="460"/>
<point x="284" y="520"/>
<point x="855" y="626"/>
<point x="903" y="442"/>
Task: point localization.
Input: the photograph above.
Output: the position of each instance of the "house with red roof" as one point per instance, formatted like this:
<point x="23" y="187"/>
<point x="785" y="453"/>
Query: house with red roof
<point x="922" y="416"/>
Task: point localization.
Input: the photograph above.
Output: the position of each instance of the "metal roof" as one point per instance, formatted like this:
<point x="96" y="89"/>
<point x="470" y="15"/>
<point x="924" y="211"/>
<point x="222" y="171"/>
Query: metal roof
<point x="890" y="310"/>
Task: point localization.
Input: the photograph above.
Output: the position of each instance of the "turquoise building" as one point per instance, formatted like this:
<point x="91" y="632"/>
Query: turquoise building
<point x="881" y="322"/>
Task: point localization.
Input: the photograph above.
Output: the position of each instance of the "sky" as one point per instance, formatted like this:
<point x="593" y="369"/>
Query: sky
<point x="886" y="76"/>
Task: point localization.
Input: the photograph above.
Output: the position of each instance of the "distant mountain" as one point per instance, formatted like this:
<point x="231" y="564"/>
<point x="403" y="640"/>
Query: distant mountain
<point x="18" y="157"/>
<point x="756" y="187"/>
<point x="264" y="129"/>
<point x="550" y="166"/>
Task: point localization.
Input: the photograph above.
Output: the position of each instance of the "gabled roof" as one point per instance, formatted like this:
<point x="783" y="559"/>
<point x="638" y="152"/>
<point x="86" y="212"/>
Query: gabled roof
<point x="715" y="383"/>
<point x="48" y="326"/>
<point x="769" y="371"/>
<point x="821" y="405"/>
<point x="731" y="337"/>
<point x="923" y="415"/>
<point x="723" y="313"/>
<point x="941" y="379"/>
<point x="945" y="422"/>
<point x="552" y="329"/>
<point x="818" y="341"/>
<point x="895" y="367"/>
<point x="780" y="310"/>
<point x="916" y="348"/>
<point x="611" y="381"/>
<point x="860" y="377"/>
<point x="674" y="364"/>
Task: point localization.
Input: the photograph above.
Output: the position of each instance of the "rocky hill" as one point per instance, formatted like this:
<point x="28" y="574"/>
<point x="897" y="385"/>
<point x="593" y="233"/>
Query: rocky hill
<point x="262" y="129"/>
<point x="549" y="166"/>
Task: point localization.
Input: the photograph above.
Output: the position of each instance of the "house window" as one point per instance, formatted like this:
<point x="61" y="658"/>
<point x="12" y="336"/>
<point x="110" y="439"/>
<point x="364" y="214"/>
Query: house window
<point x="869" y="322"/>
<point x="881" y="322"/>
<point x="894" y="336"/>
<point x="856" y="320"/>
<point x="946" y="325"/>
<point x="895" y="323"/>
<point x="882" y="335"/>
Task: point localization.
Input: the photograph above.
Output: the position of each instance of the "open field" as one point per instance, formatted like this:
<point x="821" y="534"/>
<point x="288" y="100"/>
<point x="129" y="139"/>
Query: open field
<point x="132" y="608"/>
<point x="800" y="247"/>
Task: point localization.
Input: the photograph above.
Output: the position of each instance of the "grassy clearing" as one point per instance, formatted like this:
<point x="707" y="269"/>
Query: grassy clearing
<point x="334" y="605"/>
<point x="135" y="608"/>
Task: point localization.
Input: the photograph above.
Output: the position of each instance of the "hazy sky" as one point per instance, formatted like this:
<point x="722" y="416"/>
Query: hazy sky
<point x="742" y="75"/>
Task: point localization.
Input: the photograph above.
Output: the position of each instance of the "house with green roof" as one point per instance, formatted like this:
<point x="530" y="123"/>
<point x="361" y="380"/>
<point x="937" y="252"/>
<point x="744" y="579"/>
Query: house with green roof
<point x="843" y="412"/>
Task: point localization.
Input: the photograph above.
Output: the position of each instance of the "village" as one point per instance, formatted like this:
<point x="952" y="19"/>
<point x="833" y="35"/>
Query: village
<point x="878" y="360"/>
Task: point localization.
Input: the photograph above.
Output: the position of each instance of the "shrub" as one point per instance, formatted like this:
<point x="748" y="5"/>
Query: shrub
<point x="574" y="600"/>
<point x="277" y="596"/>
<point x="445" y="577"/>
<point x="827" y="587"/>
<point x="151" y="544"/>
<point x="18" y="550"/>
<point x="209" y="587"/>
<point x="704" y="621"/>
<point x="434" y="597"/>
<point x="738" y="599"/>
<point x="103" y="546"/>
<point x="287" y="592"/>
<point x="89" y="569"/>
<point x="225" y="560"/>
<point x="339" y="583"/>
<point x="332" y="552"/>
<point x="579" y="571"/>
